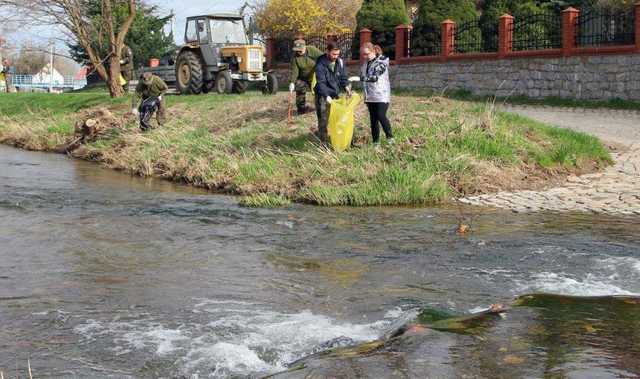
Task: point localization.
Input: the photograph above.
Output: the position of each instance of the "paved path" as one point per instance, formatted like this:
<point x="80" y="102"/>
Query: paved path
<point x="613" y="191"/>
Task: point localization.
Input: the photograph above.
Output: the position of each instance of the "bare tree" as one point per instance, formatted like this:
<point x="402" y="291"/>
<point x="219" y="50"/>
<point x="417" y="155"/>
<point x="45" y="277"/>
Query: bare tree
<point x="71" y="17"/>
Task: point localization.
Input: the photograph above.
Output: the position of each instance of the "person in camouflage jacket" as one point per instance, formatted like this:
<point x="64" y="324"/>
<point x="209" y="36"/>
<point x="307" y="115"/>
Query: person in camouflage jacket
<point x="303" y="65"/>
<point x="151" y="86"/>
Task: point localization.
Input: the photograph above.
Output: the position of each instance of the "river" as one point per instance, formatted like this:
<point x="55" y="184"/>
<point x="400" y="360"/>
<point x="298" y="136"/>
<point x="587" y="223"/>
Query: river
<point x="106" y="275"/>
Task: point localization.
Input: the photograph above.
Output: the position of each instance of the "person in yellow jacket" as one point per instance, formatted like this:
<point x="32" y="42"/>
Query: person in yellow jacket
<point x="4" y="74"/>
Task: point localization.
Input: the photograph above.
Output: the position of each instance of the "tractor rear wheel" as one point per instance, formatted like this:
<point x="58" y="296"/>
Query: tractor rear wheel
<point x="240" y="86"/>
<point x="189" y="77"/>
<point x="271" y="84"/>
<point x="224" y="82"/>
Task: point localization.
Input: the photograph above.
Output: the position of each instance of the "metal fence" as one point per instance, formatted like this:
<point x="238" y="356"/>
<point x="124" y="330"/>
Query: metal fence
<point x="476" y="36"/>
<point x="425" y="40"/>
<point x="33" y="82"/>
<point x="598" y="27"/>
<point x="537" y="31"/>
<point x="284" y="46"/>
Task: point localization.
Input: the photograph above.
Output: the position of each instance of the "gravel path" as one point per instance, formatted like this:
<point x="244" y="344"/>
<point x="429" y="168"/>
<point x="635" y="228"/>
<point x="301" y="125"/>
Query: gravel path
<point x="613" y="191"/>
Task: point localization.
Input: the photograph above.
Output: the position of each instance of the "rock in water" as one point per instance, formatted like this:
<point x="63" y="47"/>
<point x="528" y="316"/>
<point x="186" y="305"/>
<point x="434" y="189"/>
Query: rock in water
<point x="540" y="334"/>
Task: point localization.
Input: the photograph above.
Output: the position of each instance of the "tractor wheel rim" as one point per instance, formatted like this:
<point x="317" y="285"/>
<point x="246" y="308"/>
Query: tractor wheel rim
<point x="185" y="74"/>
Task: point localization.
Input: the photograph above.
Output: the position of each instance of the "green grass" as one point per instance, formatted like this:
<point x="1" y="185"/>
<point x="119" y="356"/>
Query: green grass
<point x="552" y="101"/>
<point x="242" y="144"/>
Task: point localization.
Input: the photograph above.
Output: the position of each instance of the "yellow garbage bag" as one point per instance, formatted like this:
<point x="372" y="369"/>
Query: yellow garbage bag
<point x="341" y="121"/>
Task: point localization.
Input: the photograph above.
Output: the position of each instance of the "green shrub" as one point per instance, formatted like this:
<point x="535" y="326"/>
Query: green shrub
<point x="382" y="15"/>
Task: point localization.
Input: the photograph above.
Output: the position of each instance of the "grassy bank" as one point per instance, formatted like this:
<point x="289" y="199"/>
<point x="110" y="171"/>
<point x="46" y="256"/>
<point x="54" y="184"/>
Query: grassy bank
<point x="552" y="101"/>
<point x="242" y="145"/>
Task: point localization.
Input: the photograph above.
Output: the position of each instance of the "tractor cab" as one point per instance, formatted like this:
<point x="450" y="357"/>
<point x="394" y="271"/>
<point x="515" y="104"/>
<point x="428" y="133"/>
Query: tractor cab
<point x="216" y="29"/>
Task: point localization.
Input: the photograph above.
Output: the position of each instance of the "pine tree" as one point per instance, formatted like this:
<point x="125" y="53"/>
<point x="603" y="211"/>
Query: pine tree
<point x="431" y="13"/>
<point x="382" y="17"/>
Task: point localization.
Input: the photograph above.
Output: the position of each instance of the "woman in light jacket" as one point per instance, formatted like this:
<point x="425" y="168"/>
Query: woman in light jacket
<point x="374" y="75"/>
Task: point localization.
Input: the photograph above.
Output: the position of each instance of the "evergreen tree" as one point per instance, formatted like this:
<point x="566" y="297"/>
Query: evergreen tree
<point x="382" y="17"/>
<point x="431" y="13"/>
<point x="146" y="37"/>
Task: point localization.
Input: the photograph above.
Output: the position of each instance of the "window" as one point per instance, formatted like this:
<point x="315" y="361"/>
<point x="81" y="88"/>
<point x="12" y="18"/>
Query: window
<point x="202" y="32"/>
<point x="191" y="34"/>
<point x="228" y="32"/>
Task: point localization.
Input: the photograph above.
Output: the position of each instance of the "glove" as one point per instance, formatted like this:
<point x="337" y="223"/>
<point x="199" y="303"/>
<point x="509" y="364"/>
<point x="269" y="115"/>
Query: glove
<point x="292" y="87"/>
<point x="354" y="79"/>
<point x="134" y="111"/>
<point x="329" y="100"/>
<point x="160" y="98"/>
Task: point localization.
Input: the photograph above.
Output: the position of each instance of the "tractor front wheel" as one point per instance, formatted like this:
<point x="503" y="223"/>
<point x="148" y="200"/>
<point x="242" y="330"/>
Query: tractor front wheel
<point x="224" y="82"/>
<point x="271" y="84"/>
<point x="240" y="86"/>
<point x="189" y="73"/>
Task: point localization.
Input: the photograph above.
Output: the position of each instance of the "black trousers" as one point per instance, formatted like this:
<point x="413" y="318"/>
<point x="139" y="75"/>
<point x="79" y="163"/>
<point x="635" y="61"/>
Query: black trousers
<point x="378" y="115"/>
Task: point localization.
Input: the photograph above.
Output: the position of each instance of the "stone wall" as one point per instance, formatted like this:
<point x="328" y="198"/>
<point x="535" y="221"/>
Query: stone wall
<point x="599" y="77"/>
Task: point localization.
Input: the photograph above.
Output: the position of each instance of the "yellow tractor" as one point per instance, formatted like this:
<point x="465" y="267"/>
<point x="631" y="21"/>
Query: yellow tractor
<point x="217" y="56"/>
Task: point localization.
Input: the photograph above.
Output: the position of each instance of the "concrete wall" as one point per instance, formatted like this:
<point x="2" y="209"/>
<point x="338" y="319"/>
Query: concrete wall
<point x="598" y="77"/>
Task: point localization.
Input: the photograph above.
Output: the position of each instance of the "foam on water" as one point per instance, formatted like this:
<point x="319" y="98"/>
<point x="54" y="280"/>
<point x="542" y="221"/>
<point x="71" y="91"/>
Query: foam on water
<point x="607" y="276"/>
<point x="239" y="339"/>
<point x="564" y="284"/>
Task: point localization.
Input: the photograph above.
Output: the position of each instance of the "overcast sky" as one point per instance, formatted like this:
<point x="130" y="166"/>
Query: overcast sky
<point x="182" y="9"/>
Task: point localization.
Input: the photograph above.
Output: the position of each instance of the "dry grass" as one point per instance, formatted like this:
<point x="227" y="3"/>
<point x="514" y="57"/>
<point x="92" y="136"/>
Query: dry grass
<point x="244" y="145"/>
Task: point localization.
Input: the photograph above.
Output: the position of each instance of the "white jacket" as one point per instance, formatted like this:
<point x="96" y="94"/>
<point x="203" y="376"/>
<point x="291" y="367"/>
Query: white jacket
<point x="375" y="80"/>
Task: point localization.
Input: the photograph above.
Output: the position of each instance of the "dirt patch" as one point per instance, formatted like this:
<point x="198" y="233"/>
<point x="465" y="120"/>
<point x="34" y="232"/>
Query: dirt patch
<point x="525" y="178"/>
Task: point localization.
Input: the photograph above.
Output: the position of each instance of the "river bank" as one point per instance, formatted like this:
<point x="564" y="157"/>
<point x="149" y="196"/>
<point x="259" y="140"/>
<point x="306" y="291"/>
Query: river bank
<point x="242" y="145"/>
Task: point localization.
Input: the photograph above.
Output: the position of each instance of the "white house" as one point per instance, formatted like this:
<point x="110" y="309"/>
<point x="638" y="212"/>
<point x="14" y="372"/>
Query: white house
<point x="45" y="76"/>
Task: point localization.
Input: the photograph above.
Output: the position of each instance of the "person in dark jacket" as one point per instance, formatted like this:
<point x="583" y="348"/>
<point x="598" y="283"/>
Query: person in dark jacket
<point x="303" y="65"/>
<point x="331" y="80"/>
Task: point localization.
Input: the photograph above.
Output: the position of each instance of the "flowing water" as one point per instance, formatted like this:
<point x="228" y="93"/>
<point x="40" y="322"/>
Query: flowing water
<point x="105" y="275"/>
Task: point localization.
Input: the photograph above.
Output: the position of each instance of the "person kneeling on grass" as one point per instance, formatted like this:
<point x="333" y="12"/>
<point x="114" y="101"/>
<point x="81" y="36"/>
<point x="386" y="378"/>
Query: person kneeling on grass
<point x="151" y="90"/>
<point x="331" y="81"/>
<point x="374" y="75"/>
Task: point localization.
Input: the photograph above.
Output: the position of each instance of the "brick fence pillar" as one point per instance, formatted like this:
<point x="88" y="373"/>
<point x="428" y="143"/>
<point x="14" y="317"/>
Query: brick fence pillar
<point x="365" y="36"/>
<point x="270" y="54"/>
<point x="637" y="22"/>
<point x="448" y="30"/>
<point x="402" y="41"/>
<point x="569" y="20"/>
<point x="505" y="35"/>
